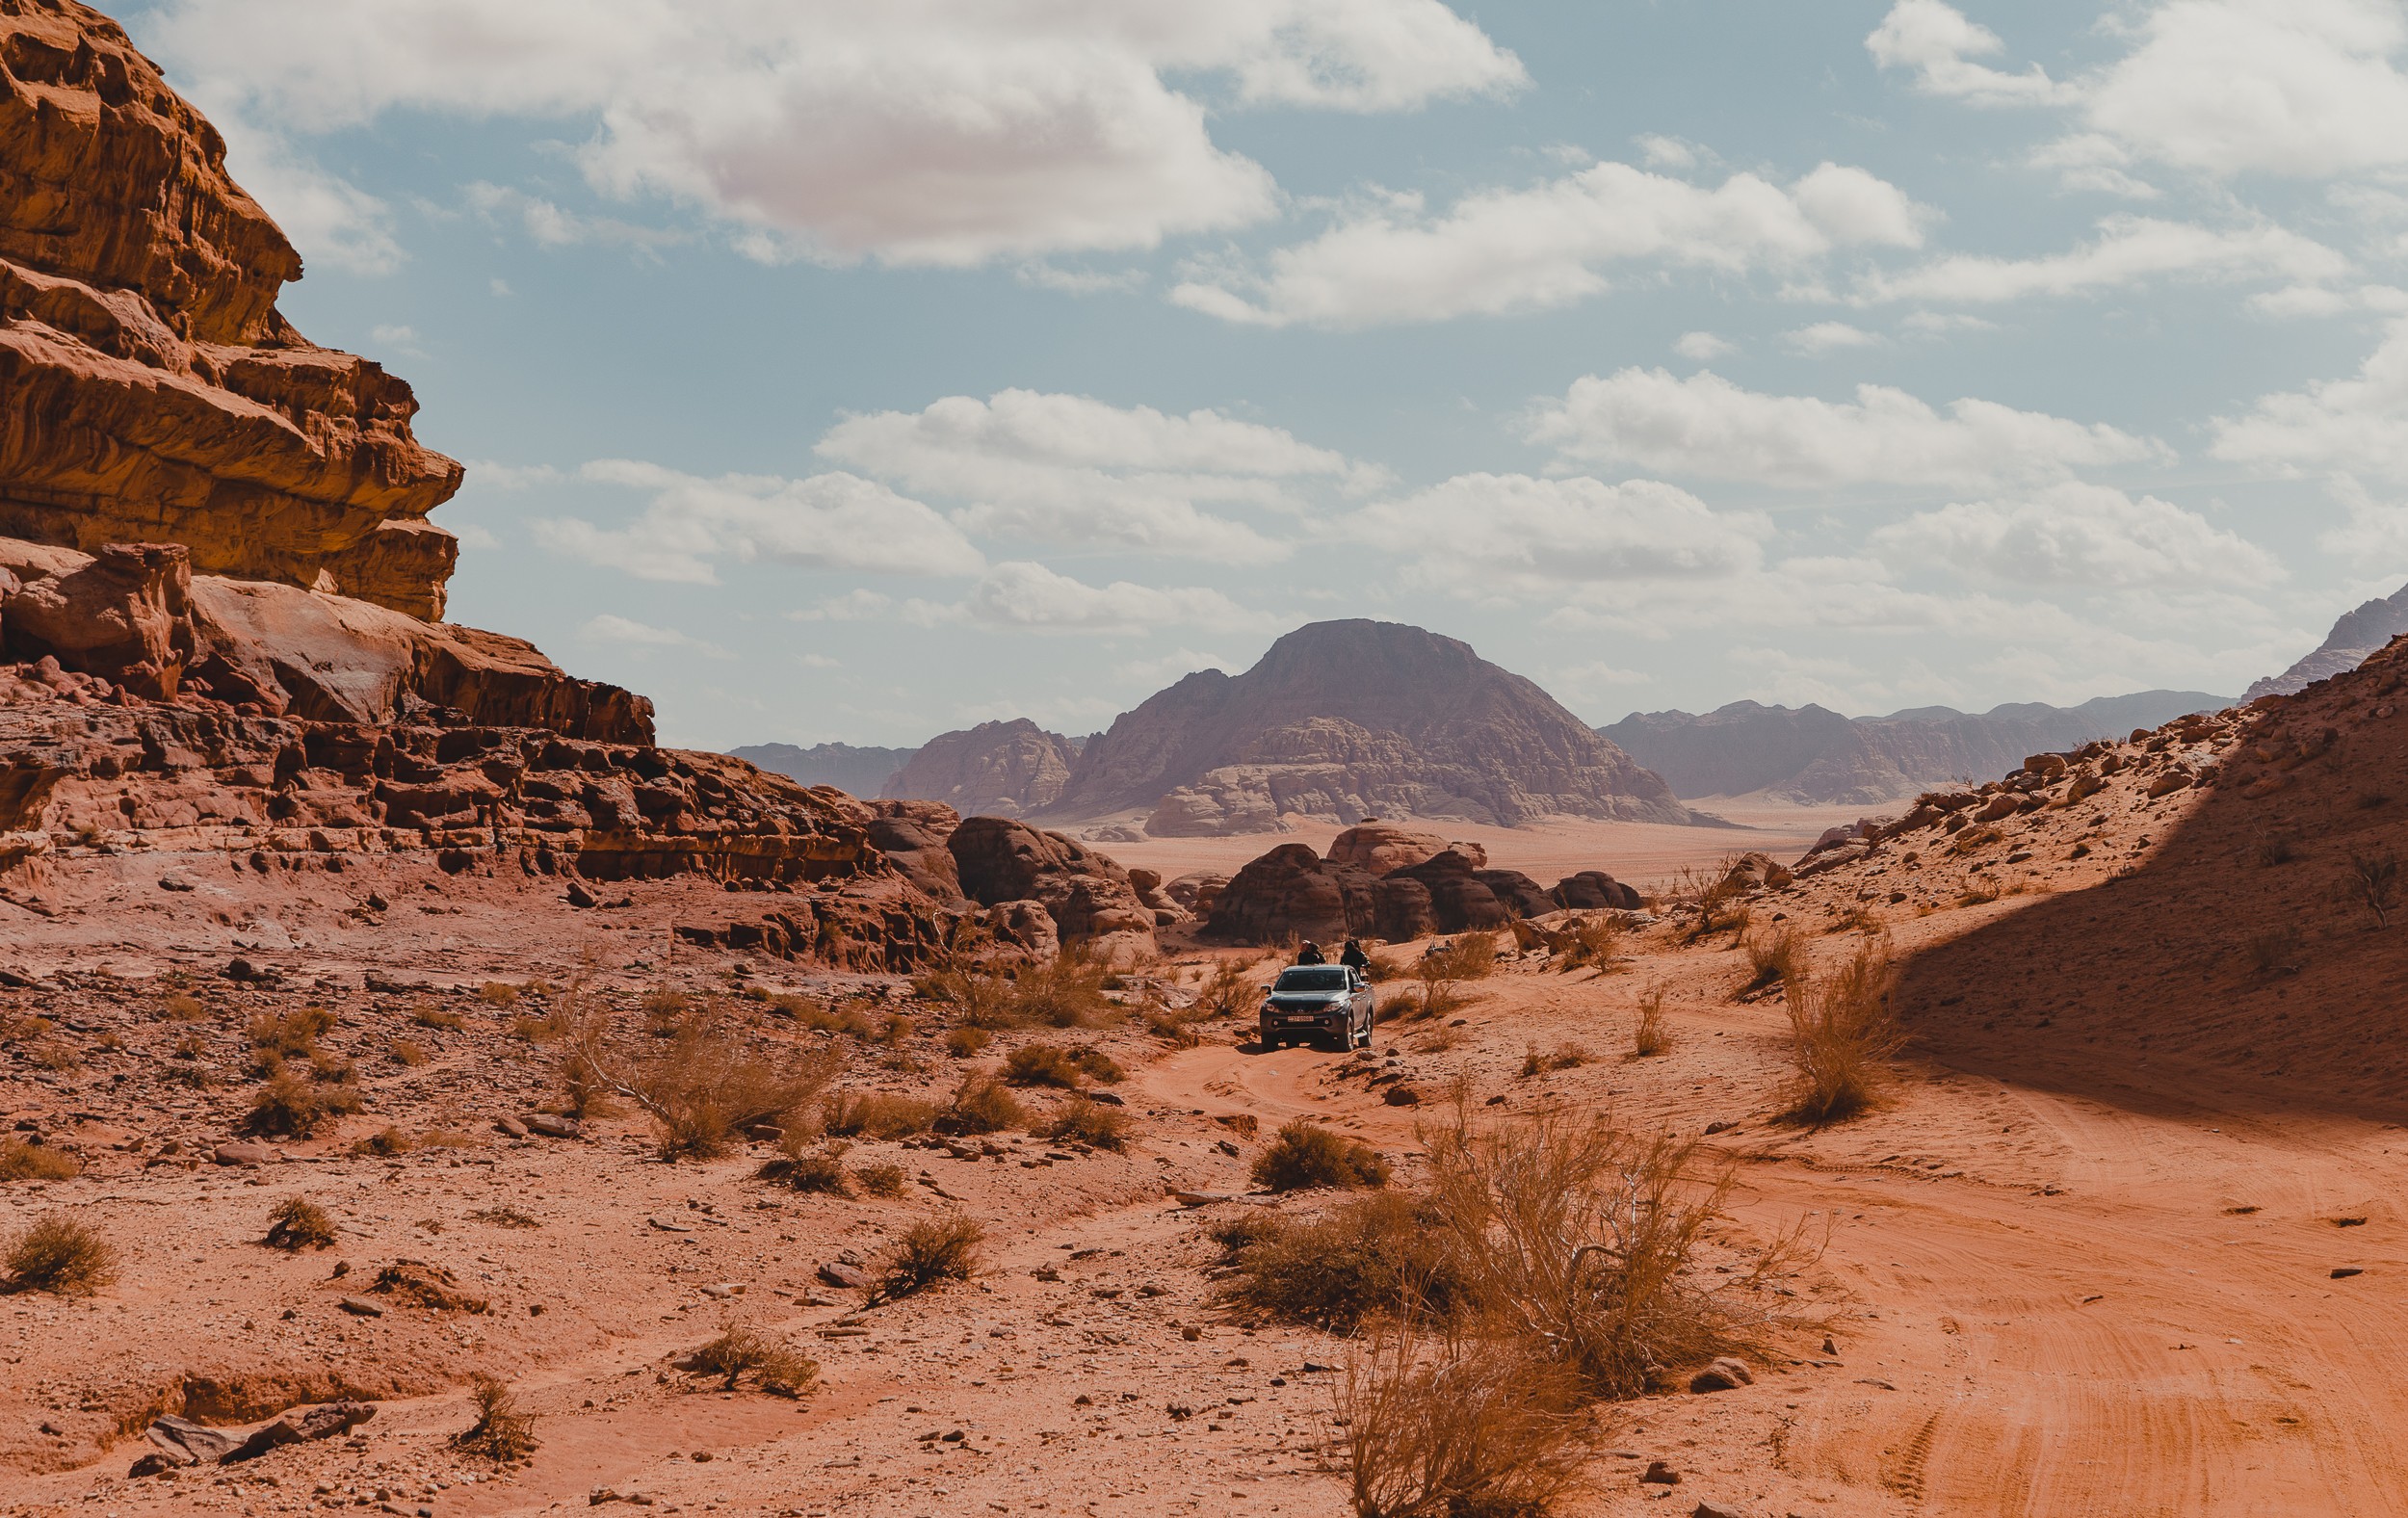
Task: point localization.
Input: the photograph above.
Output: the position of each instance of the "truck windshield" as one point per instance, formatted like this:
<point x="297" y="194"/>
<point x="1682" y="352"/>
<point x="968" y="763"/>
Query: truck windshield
<point x="1313" y="977"/>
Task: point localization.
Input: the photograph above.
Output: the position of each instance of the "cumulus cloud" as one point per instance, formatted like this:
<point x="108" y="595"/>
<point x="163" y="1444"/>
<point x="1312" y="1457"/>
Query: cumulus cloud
<point x="2081" y="534"/>
<point x="1939" y="43"/>
<point x="1703" y="346"/>
<point x="943" y="132"/>
<point x="857" y="605"/>
<point x="1505" y="250"/>
<point x="2373" y="535"/>
<point x="1488" y="532"/>
<point x="612" y="628"/>
<point x="2355" y="425"/>
<point x="1070" y="469"/>
<point x="2128" y="251"/>
<point x="830" y="521"/>
<point x="1029" y="598"/>
<point x="1824" y="337"/>
<point x="1703" y="426"/>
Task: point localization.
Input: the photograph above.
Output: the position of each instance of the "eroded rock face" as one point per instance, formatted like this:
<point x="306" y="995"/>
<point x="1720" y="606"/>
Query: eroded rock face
<point x="1354" y="719"/>
<point x="995" y="769"/>
<point x="1087" y="896"/>
<point x="150" y="390"/>
<point x="136" y="615"/>
<point x="1292" y="890"/>
<point x="1382" y="847"/>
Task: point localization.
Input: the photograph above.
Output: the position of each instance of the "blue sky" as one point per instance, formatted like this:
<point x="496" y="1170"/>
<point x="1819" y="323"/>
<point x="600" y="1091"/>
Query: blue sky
<point x="832" y="371"/>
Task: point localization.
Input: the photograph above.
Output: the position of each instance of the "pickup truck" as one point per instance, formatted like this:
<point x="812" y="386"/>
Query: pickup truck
<point x="1326" y="1003"/>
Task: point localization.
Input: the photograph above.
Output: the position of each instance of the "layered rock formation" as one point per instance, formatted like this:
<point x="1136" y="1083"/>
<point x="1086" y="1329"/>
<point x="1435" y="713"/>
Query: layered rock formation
<point x="997" y="769"/>
<point x="150" y="390"/>
<point x="1087" y="897"/>
<point x="1292" y="891"/>
<point x="1356" y="718"/>
<point x="1814" y="755"/>
<point x="853" y="771"/>
<point x="2355" y="636"/>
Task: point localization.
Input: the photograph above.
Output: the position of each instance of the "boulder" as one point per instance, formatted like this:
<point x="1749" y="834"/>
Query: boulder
<point x="1517" y="893"/>
<point x="1377" y="848"/>
<point x="121" y="615"/>
<point x="1087" y="896"/>
<point x="912" y="836"/>
<point x="1594" y="888"/>
<point x="1197" y="892"/>
<point x="1292" y="890"/>
<point x="1459" y="899"/>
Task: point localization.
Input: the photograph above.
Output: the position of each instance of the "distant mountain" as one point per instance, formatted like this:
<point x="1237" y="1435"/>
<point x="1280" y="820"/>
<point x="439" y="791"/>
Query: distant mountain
<point x="993" y="770"/>
<point x="1812" y="755"/>
<point x="855" y="771"/>
<point x="1351" y="720"/>
<point x="2353" y="638"/>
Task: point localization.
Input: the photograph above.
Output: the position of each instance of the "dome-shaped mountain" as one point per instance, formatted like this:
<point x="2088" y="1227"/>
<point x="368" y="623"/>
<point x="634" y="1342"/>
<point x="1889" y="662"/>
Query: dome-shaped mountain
<point x="1356" y="718"/>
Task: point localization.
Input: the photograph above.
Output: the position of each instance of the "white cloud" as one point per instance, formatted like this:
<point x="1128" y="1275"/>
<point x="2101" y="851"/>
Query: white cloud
<point x="853" y="606"/>
<point x="1504" y="250"/>
<point x="2283" y="86"/>
<point x="488" y="475"/>
<point x="1486" y="533"/>
<point x="612" y="628"/>
<point x="1029" y="598"/>
<point x="331" y="221"/>
<point x="1155" y="673"/>
<point x="2082" y="535"/>
<point x="1703" y="426"/>
<point x="551" y="225"/>
<point x="940" y="132"/>
<point x="2374" y="536"/>
<point x="2357" y="424"/>
<point x="2128" y="251"/>
<point x="1824" y="337"/>
<point x="832" y="521"/>
<point x="1070" y="469"/>
<point x="1938" y="42"/>
<point x="818" y="661"/>
<point x="1703" y="346"/>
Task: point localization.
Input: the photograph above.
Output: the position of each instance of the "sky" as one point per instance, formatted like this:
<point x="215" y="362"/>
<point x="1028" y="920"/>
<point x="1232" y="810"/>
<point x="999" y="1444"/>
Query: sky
<point x="844" y="372"/>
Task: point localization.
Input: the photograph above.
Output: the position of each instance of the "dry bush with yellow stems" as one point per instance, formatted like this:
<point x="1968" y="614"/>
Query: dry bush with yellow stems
<point x="58" y="1253"/>
<point x="775" y="1365"/>
<point x="705" y="1086"/>
<point x="882" y="1179"/>
<point x="299" y="1224"/>
<point x="20" y="1161"/>
<point x="810" y="1164"/>
<point x="1565" y="1055"/>
<point x="1367" y="1259"/>
<point x="1083" y="1120"/>
<point x="1043" y="1064"/>
<point x="1584" y="1242"/>
<point x="498" y="994"/>
<point x="935" y="1249"/>
<point x="1594" y="939"/>
<point x="1843" y="1034"/>
<point x="1444" y="1423"/>
<point x="1230" y="990"/>
<point x="1773" y="957"/>
<point x="1305" y="1155"/>
<point x="1652" y="1035"/>
<point x="878" y="1114"/>
<point x="501" y="1434"/>
<point x="1066" y="991"/>
<point x="981" y="1105"/>
<point x="182" y="1007"/>
<point x="964" y="1041"/>
<point x="426" y="1015"/>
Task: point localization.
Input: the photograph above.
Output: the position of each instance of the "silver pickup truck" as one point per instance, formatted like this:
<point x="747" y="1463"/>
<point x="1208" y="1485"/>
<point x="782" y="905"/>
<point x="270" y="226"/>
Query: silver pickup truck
<point x="1327" y="1004"/>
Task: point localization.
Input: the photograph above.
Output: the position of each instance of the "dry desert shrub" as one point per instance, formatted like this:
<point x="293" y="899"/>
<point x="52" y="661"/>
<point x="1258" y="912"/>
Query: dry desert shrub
<point x="964" y="1041"/>
<point x="501" y="1434"/>
<point x="882" y="1179"/>
<point x="1653" y="1033"/>
<point x="1371" y="1258"/>
<point x="981" y="1105"/>
<point x="299" y="1224"/>
<point x="1446" y="1424"/>
<point x="1066" y="991"/>
<point x="290" y="1034"/>
<point x="1305" y="1155"/>
<point x="20" y="1161"/>
<point x="182" y="1007"/>
<point x="553" y="1026"/>
<point x="1581" y="1241"/>
<point x="504" y="1216"/>
<point x="1843" y="1033"/>
<point x="933" y="1250"/>
<point x="1592" y="940"/>
<point x="498" y="994"/>
<point x="850" y="1115"/>
<point x="1229" y="991"/>
<point x="775" y="1365"/>
<point x="290" y="1104"/>
<point x="426" y="1015"/>
<point x="385" y="1144"/>
<point x="808" y="1167"/>
<point x="1774" y="958"/>
<point x="2374" y="881"/>
<point x="1563" y="1056"/>
<point x="704" y="1087"/>
<point x="1042" y="1065"/>
<point x="1080" y="1120"/>
<point x="1470" y="957"/>
<point x="61" y="1254"/>
<point x="406" y="1053"/>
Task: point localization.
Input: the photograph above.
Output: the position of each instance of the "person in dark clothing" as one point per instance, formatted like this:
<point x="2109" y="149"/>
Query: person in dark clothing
<point x="1310" y="954"/>
<point x="1354" y="958"/>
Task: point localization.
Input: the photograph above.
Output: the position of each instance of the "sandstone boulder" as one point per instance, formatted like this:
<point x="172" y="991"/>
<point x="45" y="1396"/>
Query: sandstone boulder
<point x="1517" y="893"/>
<point x="1594" y="888"/>
<point x="1087" y="896"/>
<point x="1378" y="847"/>
<point x="1293" y="890"/>
<point x="1459" y="899"/>
<point x="1197" y="892"/>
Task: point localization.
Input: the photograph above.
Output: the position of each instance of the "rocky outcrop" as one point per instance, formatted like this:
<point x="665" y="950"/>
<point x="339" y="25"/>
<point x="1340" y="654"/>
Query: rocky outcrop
<point x="1380" y="847"/>
<point x="1087" y="897"/>
<point x="853" y="771"/>
<point x="1813" y="755"/>
<point x="1352" y="719"/>
<point x="2354" y="638"/>
<point x="995" y="769"/>
<point x="136" y="615"/>
<point x="1293" y="892"/>
<point x="150" y="390"/>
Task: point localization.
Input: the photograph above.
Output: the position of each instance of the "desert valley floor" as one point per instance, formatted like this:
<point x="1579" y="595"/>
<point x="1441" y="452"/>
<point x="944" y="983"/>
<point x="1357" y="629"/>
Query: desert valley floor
<point x="2091" y="1268"/>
